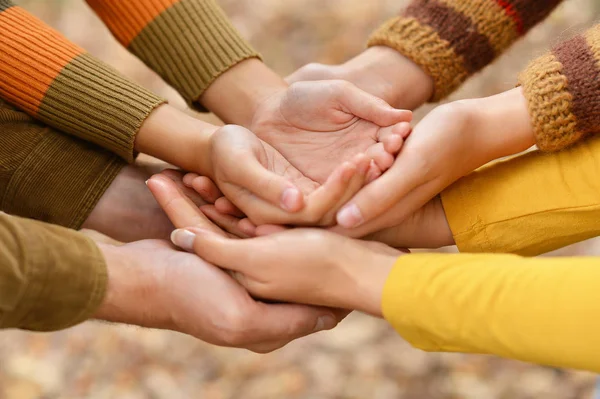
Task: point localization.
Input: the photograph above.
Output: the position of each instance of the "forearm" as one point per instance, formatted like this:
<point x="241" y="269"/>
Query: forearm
<point x="235" y="95"/>
<point x="57" y="82"/>
<point x="537" y="310"/>
<point x="451" y="40"/>
<point x="190" y="43"/>
<point x="50" y="277"/>
<point x="48" y="175"/>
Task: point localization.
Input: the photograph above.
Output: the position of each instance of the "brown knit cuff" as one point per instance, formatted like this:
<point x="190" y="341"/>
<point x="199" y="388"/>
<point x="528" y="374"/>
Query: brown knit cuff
<point x="452" y="40"/>
<point x="562" y="89"/>
<point x="190" y="43"/>
<point x="48" y="256"/>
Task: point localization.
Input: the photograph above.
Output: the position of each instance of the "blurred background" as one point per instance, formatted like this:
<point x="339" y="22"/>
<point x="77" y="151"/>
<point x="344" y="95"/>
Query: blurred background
<point x="363" y="357"/>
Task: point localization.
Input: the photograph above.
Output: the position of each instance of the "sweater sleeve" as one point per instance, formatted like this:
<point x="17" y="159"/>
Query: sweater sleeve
<point x="58" y="83"/>
<point x="453" y="39"/>
<point x="563" y="91"/>
<point x="540" y="310"/>
<point x="190" y="43"/>
<point x="528" y="205"/>
<point x="48" y="175"/>
<point x="50" y="277"/>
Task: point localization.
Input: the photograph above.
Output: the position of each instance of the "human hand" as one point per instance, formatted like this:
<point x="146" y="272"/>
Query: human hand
<point x="450" y="142"/>
<point x="262" y="183"/>
<point x="127" y="211"/>
<point x="301" y="265"/>
<point x="307" y="255"/>
<point x="151" y="284"/>
<point x="317" y="125"/>
<point x="380" y="71"/>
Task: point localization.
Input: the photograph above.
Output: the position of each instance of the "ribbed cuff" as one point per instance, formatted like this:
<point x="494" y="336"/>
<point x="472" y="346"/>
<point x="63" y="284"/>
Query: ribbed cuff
<point x="189" y="42"/>
<point x="427" y="49"/>
<point x="92" y="101"/>
<point x="61" y="180"/>
<point x="65" y="274"/>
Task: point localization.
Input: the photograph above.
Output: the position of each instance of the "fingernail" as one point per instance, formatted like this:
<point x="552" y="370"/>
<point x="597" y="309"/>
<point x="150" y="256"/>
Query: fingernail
<point x="290" y="199"/>
<point x="325" y="323"/>
<point x="146" y="182"/>
<point x="349" y="216"/>
<point x="184" y="239"/>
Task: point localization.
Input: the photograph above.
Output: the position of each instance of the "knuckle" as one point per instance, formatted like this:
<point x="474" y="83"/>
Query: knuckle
<point x="234" y="326"/>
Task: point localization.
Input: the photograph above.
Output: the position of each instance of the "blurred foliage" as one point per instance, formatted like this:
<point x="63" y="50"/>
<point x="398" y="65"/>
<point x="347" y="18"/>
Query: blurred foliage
<point x="363" y="358"/>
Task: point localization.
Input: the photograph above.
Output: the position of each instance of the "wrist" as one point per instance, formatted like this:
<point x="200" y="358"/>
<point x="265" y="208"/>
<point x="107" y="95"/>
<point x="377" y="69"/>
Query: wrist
<point x="130" y="291"/>
<point x="235" y="96"/>
<point x="388" y="74"/>
<point x="502" y="124"/>
<point x="367" y="276"/>
<point x="176" y="138"/>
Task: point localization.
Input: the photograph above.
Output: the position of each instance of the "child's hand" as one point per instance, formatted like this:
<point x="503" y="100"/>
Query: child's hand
<point x="318" y="125"/>
<point x="450" y="142"/>
<point x="262" y="183"/>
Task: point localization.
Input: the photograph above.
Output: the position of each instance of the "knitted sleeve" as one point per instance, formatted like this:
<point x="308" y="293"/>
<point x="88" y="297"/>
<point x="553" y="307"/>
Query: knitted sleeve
<point x="57" y="82"/>
<point x="188" y="42"/>
<point x="563" y="91"/>
<point x="453" y="39"/>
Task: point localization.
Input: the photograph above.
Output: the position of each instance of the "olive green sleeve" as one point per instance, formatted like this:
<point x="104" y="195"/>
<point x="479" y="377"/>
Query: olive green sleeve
<point x="50" y="277"/>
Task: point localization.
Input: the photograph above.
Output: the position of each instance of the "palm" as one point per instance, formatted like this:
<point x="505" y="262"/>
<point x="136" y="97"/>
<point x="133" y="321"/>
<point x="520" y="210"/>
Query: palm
<point x="316" y="131"/>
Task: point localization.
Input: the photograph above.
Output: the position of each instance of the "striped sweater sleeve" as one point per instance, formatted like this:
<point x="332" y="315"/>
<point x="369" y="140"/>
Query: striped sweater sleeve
<point x="453" y="39"/>
<point x="188" y="42"/>
<point x="57" y="82"/>
<point x="562" y="89"/>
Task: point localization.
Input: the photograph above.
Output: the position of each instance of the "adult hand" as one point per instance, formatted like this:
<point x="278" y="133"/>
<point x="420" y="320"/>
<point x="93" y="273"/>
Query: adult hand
<point x="450" y="142"/>
<point x="151" y="284"/>
<point x="317" y="125"/>
<point x="127" y="211"/>
<point x="380" y="71"/>
<point x="301" y="265"/>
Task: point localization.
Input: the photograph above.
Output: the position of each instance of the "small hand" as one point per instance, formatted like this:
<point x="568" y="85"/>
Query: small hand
<point x="450" y="142"/>
<point x="318" y="125"/>
<point x="266" y="187"/>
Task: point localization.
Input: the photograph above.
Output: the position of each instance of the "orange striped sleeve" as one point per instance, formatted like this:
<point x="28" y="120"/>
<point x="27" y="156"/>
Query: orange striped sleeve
<point x="190" y="43"/>
<point x="60" y="84"/>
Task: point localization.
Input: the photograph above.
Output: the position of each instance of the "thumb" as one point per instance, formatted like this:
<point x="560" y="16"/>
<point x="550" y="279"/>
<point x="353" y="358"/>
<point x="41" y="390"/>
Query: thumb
<point x="371" y="108"/>
<point x="227" y="253"/>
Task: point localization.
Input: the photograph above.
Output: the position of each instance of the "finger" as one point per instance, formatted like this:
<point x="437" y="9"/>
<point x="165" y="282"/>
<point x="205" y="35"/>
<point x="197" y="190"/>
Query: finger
<point x="363" y="168"/>
<point x="383" y="159"/>
<point x="205" y="187"/>
<point x="392" y="144"/>
<point x="402" y="129"/>
<point x="220" y="250"/>
<point x="247" y="227"/>
<point x="371" y="108"/>
<point x="268" y="229"/>
<point x="177" y="177"/>
<point x="382" y="194"/>
<point x="283" y="323"/>
<point x="226" y="222"/>
<point x="181" y="210"/>
<point x="225" y="206"/>
<point x="275" y="189"/>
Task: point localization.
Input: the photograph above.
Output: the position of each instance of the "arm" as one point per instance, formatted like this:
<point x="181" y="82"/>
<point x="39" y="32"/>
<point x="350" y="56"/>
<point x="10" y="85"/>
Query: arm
<point x="433" y="47"/>
<point x="555" y="107"/>
<point x="36" y="260"/>
<point x="537" y="310"/>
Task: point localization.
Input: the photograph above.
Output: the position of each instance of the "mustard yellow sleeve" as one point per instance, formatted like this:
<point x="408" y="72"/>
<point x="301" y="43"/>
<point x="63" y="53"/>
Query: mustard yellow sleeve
<point x="528" y="205"/>
<point x="540" y="310"/>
